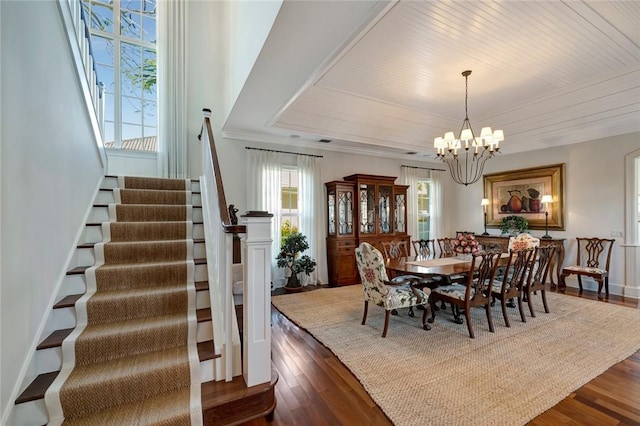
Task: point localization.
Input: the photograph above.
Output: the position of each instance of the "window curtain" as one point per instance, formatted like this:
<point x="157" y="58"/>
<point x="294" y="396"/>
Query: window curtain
<point x="409" y="176"/>
<point x="312" y="217"/>
<point x="172" y="88"/>
<point x="263" y="183"/>
<point x="435" y="209"/>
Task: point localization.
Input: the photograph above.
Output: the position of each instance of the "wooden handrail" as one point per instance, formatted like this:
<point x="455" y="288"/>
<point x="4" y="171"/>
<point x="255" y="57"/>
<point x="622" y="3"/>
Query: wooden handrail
<point x="222" y="200"/>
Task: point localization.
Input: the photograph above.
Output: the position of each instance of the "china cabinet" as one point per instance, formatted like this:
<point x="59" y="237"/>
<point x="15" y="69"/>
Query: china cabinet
<point x="362" y="208"/>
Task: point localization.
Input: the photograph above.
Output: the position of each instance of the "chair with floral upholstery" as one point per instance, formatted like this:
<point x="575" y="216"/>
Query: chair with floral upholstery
<point x="523" y="241"/>
<point x="537" y="278"/>
<point x="510" y="286"/>
<point x="379" y="290"/>
<point x="594" y="257"/>
<point x="476" y="292"/>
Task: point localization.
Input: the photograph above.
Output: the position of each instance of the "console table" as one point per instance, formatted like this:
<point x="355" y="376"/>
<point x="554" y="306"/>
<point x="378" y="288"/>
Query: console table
<point x="497" y="241"/>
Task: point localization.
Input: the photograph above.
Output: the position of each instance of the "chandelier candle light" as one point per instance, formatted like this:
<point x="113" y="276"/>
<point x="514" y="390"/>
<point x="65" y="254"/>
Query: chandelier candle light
<point x="546" y="199"/>
<point x="477" y="150"/>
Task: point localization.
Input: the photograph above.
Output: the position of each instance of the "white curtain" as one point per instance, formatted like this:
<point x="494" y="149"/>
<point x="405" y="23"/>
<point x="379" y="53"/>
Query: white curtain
<point x="263" y="185"/>
<point x="409" y="176"/>
<point x="172" y="88"/>
<point x="312" y="218"/>
<point x="435" y="209"/>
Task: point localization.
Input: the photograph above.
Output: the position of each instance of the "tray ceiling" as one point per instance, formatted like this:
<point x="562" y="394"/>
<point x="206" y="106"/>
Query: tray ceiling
<point x="388" y="79"/>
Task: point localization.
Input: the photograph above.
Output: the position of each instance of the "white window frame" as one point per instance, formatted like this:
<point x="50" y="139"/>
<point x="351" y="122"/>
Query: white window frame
<point x="424" y="213"/>
<point x="118" y="40"/>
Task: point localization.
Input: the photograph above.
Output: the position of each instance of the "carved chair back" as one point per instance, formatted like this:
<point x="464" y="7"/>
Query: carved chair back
<point x="480" y="282"/>
<point x="424" y="247"/>
<point x="590" y="251"/>
<point x="446" y="247"/>
<point x="395" y="249"/>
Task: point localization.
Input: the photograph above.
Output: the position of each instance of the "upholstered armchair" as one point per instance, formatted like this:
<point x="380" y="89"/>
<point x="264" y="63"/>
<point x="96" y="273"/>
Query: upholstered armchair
<point x="523" y="241"/>
<point x="379" y="290"/>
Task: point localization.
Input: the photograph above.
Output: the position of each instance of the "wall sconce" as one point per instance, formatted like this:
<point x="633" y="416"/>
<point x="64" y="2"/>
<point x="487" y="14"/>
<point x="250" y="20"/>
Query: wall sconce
<point x="484" y="203"/>
<point x="546" y="199"/>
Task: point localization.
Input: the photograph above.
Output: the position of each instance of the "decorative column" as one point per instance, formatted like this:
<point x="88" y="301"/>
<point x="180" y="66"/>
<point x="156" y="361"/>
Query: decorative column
<point x="256" y="323"/>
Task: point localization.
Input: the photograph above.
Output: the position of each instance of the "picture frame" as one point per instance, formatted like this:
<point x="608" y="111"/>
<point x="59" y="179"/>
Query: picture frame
<point x="519" y="193"/>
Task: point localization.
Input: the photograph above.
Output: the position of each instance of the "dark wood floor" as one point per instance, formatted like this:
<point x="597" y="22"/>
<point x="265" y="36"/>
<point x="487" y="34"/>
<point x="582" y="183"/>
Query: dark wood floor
<point x="316" y="389"/>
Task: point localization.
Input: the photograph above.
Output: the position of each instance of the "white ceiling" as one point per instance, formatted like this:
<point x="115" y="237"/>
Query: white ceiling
<point x="385" y="77"/>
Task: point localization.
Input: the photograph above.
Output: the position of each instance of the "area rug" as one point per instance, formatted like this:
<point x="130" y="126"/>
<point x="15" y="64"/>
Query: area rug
<point x="443" y="377"/>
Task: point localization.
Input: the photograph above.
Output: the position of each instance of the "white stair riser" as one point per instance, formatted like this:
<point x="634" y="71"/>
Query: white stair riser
<point x="101" y="214"/>
<point x="63" y="318"/>
<point x="112" y="182"/>
<point x="75" y="284"/>
<point x="30" y="413"/>
<point x="86" y="256"/>
<point x="35" y="412"/>
<point x="108" y="197"/>
<point x="93" y="234"/>
<point x="50" y="359"/>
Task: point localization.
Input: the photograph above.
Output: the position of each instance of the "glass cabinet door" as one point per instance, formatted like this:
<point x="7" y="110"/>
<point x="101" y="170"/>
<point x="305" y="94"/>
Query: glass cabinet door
<point x="400" y="213"/>
<point x="367" y="209"/>
<point x="384" y="208"/>
<point x="331" y="203"/>
<point x="345" y="212"/>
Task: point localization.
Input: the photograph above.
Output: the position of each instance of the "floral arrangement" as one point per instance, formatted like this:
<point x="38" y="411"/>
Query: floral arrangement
<point x="465" y="244"/>
<point x="513" y="224"/>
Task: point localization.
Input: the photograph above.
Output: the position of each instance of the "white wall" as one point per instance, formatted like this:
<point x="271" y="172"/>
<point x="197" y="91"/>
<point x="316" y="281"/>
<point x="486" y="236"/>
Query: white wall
<point x="225" y="39"/>
<point x="122" y="162"/>
<point x="49" y="172"/>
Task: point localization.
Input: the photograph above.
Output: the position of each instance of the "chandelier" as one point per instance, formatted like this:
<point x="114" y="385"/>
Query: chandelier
<point x="466" y="166"/>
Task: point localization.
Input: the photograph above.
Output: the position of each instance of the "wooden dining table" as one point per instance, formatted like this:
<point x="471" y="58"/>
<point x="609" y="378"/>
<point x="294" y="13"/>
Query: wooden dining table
<point x="430" y="266"/>
<point x="424" y="266"/>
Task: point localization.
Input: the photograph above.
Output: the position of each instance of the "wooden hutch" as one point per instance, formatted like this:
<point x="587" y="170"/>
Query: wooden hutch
<point x="362" y="208"/>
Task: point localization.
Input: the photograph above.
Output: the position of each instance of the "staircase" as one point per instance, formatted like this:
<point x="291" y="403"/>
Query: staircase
<point x="128" y="303"/>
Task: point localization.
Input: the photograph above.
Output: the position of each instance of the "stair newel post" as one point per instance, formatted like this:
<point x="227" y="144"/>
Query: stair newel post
<point x="256" y="324"/>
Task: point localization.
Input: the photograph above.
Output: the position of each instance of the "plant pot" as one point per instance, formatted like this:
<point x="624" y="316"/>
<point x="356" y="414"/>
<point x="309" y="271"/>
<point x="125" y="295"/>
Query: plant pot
<point x="293" y="289"/>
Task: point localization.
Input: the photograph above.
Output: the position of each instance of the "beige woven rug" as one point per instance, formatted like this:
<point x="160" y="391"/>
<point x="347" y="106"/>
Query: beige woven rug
<point x="442" y="377"/>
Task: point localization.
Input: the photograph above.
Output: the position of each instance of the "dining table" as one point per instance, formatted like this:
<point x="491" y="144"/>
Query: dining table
<point x="423" y="266"/>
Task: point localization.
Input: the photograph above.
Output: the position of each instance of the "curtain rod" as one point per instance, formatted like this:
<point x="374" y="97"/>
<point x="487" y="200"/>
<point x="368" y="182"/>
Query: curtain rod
<point x="283" y="152"/>
<point x="423" y="168"/>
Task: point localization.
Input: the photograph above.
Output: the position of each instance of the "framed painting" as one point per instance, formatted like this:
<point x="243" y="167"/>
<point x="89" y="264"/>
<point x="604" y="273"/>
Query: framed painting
<point x="520" y="192"/>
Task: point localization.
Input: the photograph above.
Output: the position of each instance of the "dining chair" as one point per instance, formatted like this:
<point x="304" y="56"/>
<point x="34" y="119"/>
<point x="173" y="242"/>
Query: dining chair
<point x="537" y="277"/>
<point x="424" y="248"/>
<point x="510" y="286"/>
<point x="446" y="247"/>
<point x="395" y="249"/>
<point x="379" y="290"/>
<point x="522" y="241"/>
<point x="593" y="260"/>
<point x="476" y="292"/>
<point x="447" y="250"/>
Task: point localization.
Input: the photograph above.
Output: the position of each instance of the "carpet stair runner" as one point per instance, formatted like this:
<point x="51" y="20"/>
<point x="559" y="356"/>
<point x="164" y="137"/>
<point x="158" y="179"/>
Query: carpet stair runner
<point x="132" y="357"/>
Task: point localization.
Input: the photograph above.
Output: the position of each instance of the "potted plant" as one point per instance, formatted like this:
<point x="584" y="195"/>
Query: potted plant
<point x="289" y="257"/>
<point x="514" y="225"/>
